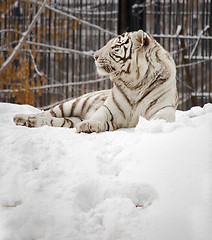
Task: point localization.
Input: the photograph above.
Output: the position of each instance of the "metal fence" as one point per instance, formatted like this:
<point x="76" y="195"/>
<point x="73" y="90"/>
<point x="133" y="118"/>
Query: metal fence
<point x="56" y="61"/>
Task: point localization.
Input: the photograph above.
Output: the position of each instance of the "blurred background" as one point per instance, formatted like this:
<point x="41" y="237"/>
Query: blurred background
<point x="55" y="62"/>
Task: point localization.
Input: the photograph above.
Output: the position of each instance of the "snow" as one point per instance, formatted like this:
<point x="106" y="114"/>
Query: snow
<point x="146" y="183"/>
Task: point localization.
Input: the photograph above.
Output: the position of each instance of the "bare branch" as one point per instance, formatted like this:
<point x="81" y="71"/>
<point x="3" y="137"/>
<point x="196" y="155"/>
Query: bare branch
<point x="71" y="83"/>
<point x="198" y="40"/>
<point x="181" y="36"/>
<point x="194" y="63"/>
<point x="62" y="49"/>
<point x="10" y="30"/>
<point x="56" y="49"/>
<point x="22" y="40"/>
<point x="58" y="85"/>
<point x="35" y="66"/>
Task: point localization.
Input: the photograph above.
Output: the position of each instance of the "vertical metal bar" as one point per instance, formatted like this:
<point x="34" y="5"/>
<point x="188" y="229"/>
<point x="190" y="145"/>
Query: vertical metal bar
<point x="157" y="29"/>
<point x="101" y="35"/>
<point x="49" y="54"/>
<point x="6" y="36"/>
<point x="42" y="55"/>
<point x="67" y="55"/>
<point x="29" y="58"/>
<point x="54" y="91"/>
<point x="182" y="22"/>
<point x="87" y="47"/>
<point x="210" y="54"/>
<point x="73" y="55"/>
<point x="93" y="35"/>
<point x="180" y="59"/>
<point x="187" y="30"/>
<point x="46" y="53"/>
<point x="77" y="57"/>
<point x="193" y="71"/>
<point x="195" y="31"/>
<point x="60" y="67"/>
<point x="61" y="94"/>
<point x="80" y="48"/>
<point x="98" y="21"/>
<point x="36" y="96"/>
<point x="207" y="50"/>
<point x="187" y="71"/>
<point x="164" y="23"/>
<point x="203" y="83"/>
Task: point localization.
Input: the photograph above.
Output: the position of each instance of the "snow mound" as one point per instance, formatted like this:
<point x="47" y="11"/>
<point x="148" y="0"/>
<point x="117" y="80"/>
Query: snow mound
<point x="150" y="182"/>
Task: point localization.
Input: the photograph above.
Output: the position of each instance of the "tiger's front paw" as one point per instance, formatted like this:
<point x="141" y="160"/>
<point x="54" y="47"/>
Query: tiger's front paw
<point x="27" y="120"/>
<point x="89" y="126"/>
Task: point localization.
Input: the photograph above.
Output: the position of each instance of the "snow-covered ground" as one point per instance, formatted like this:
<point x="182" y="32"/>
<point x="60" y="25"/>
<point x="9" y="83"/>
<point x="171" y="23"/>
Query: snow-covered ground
<point x="153" y="182"/>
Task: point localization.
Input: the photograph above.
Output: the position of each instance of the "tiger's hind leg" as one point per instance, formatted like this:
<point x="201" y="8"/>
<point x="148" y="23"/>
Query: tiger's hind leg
<point x="38" y="120"/>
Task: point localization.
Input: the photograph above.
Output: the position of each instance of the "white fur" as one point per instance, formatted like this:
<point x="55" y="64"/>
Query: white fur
<point x="144" y="78"/>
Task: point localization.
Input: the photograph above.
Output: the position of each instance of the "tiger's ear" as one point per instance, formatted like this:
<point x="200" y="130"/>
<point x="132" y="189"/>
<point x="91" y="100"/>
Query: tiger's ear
<point x="140" y="38"/>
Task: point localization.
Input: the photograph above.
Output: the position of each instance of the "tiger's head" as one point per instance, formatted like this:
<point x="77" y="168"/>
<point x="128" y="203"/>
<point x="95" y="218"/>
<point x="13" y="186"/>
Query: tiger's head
<point x="119" y="56"/>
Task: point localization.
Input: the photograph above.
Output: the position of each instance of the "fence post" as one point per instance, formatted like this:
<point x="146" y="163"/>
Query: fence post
<point x="124" y="16"/>
<point x="132" y="15"/>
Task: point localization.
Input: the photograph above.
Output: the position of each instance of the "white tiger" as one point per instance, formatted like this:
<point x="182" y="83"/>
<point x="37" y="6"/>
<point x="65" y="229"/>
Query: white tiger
<point x="144" y="77"/>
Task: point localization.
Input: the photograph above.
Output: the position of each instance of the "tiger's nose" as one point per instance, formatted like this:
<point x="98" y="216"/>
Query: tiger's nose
<point x="95" y="57"/>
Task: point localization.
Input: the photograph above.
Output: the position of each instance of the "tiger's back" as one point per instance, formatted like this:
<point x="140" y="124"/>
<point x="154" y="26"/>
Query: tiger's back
<point x="144" y="78"/>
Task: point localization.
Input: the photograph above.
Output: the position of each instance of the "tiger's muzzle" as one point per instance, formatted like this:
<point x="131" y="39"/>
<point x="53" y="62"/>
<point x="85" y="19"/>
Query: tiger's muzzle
<point x="104" y="66"/>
